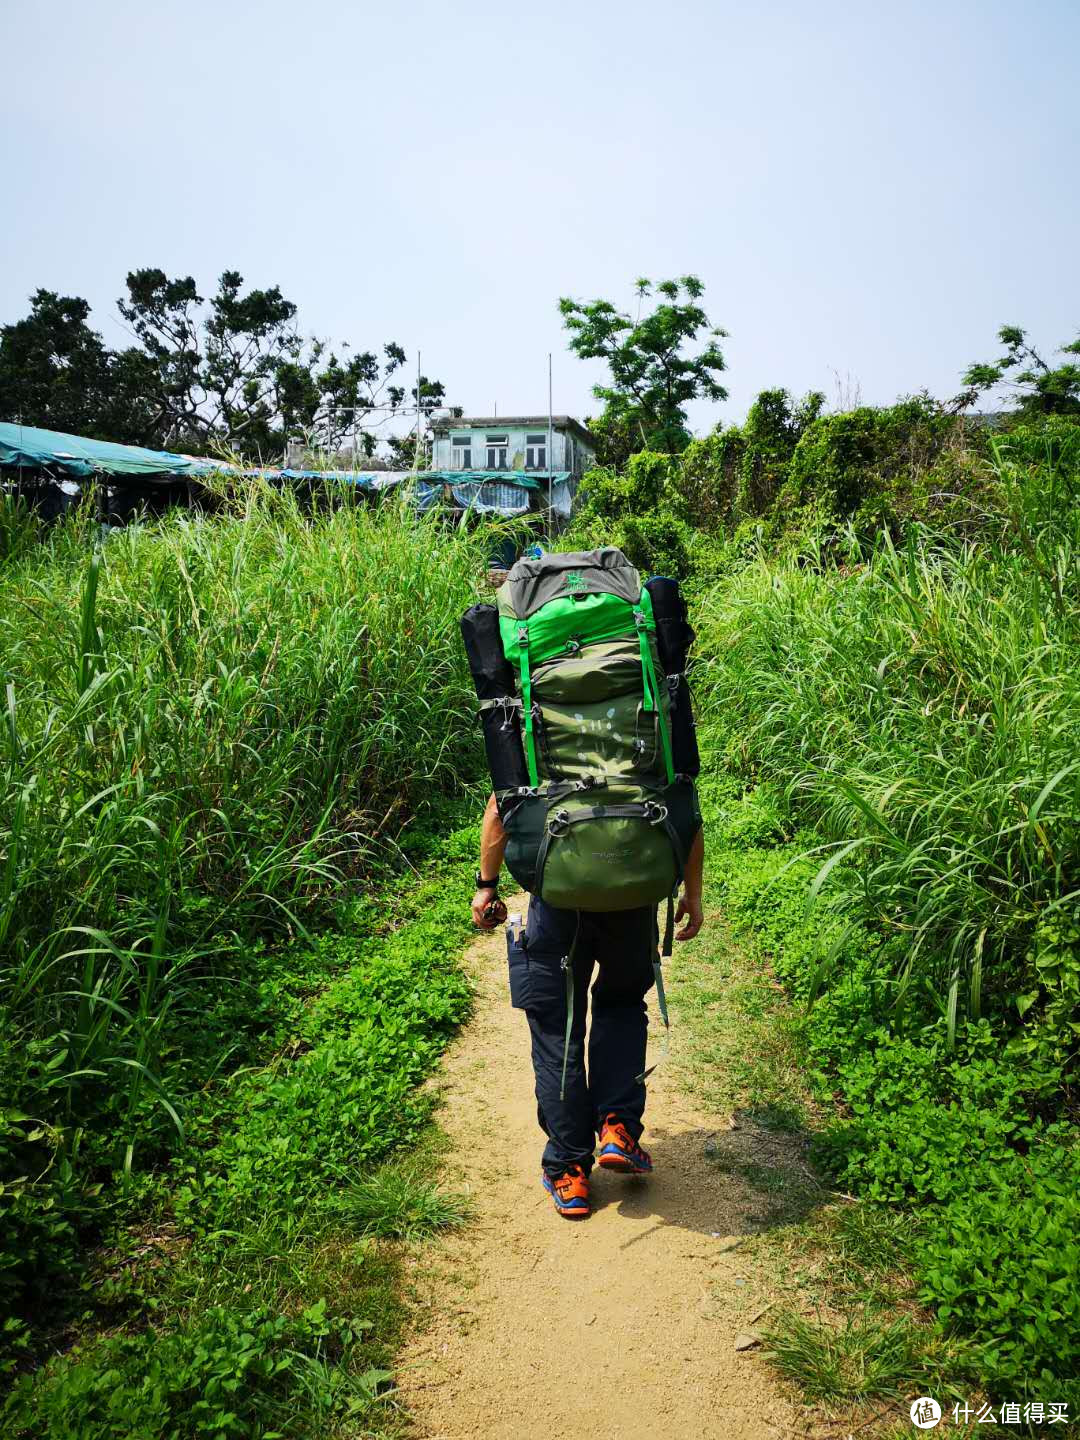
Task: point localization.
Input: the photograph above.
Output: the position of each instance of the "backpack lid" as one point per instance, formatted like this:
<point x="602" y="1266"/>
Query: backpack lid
<point x="532" y="583"/>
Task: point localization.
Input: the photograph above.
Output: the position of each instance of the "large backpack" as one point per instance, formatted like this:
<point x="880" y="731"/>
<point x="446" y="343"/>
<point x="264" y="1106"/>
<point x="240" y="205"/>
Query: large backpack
<point x="580" y="672"/>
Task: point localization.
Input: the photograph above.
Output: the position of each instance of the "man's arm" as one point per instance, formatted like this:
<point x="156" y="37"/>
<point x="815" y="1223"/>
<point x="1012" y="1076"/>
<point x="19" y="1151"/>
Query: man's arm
<point x="690" y="900"/>
<point x="492" y="850"/>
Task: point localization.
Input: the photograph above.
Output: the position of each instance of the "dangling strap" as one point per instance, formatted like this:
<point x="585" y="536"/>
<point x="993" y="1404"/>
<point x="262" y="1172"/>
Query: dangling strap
<point x="651" y="687"/>
<point x="661" y="995"/>
<point x="526" y="705"/>
<point x="568" y="971"/>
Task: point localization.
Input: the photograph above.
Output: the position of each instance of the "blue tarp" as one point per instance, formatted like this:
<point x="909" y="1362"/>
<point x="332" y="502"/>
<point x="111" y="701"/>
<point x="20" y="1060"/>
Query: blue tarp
<point x="526" y="479"/>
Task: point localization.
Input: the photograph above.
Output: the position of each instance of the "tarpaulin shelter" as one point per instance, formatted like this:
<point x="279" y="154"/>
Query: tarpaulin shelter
<point x="30" y="451"/>
<point x="25" y="447"/>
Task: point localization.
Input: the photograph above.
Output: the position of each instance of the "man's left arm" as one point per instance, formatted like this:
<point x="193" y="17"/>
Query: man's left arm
<point x="492" y="850"/>
<point x="690" y="900"/>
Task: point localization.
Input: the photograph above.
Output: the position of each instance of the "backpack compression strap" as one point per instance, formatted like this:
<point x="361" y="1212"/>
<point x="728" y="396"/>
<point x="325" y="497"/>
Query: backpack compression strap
<point x="526" y="705"/>
<point x="651" y="687"/>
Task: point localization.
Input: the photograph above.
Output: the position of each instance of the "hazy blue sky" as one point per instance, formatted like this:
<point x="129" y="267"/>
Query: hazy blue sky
<point x="863" y="188"/>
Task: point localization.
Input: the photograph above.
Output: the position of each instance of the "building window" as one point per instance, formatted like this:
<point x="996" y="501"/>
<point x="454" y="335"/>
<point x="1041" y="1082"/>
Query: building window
<point x="535" y="452"/>
<point x="498" y="448"/>
<point x="461" y="452"/>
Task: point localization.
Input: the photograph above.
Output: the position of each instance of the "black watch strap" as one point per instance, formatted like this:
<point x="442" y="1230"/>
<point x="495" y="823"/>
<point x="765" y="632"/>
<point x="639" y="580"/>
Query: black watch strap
<point x="482" y="884"/>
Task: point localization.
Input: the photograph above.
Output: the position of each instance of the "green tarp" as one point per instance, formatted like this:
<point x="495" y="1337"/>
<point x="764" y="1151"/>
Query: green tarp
<point x="26" y="447"/>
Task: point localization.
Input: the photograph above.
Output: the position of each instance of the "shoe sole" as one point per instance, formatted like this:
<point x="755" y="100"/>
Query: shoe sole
<point x="623" y="1164"/>
<point x="568" y="1212"/>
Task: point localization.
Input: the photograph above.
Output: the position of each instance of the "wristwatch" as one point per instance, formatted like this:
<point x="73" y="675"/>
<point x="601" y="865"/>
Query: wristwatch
<point x="482" y="884"/>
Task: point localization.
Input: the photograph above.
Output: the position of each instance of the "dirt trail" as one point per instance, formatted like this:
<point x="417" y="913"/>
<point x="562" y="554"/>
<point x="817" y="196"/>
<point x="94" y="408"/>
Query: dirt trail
<point x="619" y="1326"/>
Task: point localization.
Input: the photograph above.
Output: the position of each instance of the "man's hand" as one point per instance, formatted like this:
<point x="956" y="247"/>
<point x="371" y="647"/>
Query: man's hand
<point x="480" y="902"/>
<point x="689" y="909"/>
<point x="492" y="850"/>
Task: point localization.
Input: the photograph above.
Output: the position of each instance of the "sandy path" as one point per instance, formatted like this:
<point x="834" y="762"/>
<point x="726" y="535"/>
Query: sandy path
<point x="619" y="1326"/>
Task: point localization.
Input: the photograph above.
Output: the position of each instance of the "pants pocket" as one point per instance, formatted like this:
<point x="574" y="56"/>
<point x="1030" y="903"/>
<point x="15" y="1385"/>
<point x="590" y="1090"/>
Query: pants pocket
<point x="518" y="963"/>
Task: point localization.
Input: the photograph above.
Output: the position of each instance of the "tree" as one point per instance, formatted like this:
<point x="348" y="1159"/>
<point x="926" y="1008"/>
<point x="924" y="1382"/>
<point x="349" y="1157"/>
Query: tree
<point x="1040" y="388"/>
<point x="403" y="447"/>
<point x="236" y="371"/>
<point x="233" y="372"/>
<point x="56" y="372"/>
<point x="617" y="436"/>
<point x="654" y="372"/>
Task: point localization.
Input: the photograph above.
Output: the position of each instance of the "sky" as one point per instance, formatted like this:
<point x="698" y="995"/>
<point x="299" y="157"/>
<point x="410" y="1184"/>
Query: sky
<point x="867" y="191"/>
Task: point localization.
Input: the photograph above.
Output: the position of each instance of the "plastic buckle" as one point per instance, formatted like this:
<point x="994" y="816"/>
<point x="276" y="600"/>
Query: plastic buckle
<point x="558" y="823"/>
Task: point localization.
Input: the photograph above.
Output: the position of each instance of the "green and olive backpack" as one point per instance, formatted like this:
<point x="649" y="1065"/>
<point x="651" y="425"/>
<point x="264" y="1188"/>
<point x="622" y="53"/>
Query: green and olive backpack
<point x="578" y="705"/>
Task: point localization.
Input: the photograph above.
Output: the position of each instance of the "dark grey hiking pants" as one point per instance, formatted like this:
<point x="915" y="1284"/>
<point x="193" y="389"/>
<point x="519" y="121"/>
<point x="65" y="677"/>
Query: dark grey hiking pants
<point x="622" y="945"/>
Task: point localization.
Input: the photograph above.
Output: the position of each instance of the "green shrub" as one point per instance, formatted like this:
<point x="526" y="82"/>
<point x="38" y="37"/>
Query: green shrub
<point x="771" y="435"/>
<point x="702" y="486"/>
<point x="852" y="458"/>
<point x="227" y="1374"/>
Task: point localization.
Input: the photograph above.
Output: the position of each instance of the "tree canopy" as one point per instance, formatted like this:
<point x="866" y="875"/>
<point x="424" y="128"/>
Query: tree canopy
<point x="1038" y="388"/>
<point x="230" y="372"/>
<point x="56" y="372"/>
<point x="655" y="370"/>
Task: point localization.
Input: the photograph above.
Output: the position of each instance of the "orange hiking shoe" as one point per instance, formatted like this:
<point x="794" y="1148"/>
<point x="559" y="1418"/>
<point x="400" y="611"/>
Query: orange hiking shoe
<point x="570" y="1191"/>
<point x="620" y="1151"/>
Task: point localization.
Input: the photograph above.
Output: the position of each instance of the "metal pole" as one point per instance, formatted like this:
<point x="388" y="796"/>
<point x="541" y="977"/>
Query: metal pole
<point x="416" y="455"/>
<point x="551" y="458"/>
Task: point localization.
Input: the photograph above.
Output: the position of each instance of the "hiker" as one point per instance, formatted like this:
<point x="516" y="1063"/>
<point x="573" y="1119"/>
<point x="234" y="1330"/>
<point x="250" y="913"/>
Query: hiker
<point x="595" y="813"/>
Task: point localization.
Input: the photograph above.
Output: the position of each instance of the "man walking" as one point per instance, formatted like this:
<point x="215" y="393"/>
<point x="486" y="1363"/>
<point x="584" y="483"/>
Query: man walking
<point x="580" y="673"/>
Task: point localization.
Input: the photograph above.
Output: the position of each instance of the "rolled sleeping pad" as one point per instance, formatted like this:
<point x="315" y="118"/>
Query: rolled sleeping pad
<point x="493" y="677"/>
<point x="674" y="633"/>
<point x="492" y="673"/>
<point x="674" y="636"/>
<point x="684" y="746"/>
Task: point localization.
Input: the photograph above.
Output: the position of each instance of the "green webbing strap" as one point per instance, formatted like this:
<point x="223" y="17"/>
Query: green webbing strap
<point x="652" y="691"/>
<point x="646" y="658"/>
<point x="526" y="705"/>
<point x="568" y="971"/>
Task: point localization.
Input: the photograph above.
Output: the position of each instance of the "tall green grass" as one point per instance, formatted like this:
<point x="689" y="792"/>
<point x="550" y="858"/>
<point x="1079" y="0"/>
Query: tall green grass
<point x="920" y="705"/>
<point x="206" y="725"/>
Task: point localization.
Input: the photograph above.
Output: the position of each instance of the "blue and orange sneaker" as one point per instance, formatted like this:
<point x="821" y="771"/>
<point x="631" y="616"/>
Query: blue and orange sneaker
<point x="620" y="1151"/>
<point x="570" y="1191"/>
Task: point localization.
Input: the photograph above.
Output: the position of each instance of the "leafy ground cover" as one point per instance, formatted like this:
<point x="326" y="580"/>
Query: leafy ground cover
<point x="251" y="1287"/>
<point x="932" y="1249"/>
